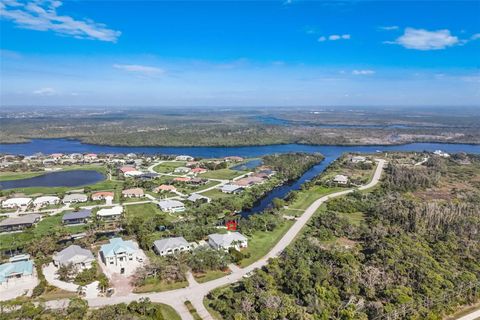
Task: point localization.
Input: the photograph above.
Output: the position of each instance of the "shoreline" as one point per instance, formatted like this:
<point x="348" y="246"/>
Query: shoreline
<point x="238" y="146"/>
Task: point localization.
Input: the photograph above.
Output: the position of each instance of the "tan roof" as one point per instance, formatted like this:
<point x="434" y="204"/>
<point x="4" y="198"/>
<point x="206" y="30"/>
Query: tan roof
<point x="134" y="191"/>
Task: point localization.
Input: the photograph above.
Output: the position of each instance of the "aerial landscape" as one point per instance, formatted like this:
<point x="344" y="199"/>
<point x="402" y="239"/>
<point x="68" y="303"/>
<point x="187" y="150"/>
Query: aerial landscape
<point x="257" y="160"/>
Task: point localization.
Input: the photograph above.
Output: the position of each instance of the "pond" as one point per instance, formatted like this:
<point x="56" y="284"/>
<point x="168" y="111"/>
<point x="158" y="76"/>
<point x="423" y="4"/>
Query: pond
<point x="71" y="178"/>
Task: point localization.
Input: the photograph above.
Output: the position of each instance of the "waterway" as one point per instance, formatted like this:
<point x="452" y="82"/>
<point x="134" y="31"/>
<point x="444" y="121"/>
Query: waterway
<point x="48" y="146"/>
<point x="71" y="178"/>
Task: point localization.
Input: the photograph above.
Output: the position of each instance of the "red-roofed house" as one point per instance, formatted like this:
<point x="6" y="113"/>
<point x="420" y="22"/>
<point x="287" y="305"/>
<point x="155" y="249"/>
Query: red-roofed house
<point x="198" y="170"/>
<point x="164" y="187"/>
<point x="127" y="169"/>
<point x="182" y="179"/>
<point x="101" y="195"/>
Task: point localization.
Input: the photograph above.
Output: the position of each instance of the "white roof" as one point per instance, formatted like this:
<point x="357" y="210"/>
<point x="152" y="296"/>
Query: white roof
<point x="195" y="196"/>
<point x="74" y="254"/>
<point x="133" y="173"/>
<point x="230" y="187"/>
<point x="115" y="211"/>
<point x="75" y="197"/>
<point x="226" y="239"/>
<point x="167" y="204"/>
<point x="340" y="177"/>
<point x="44" y="199"/>
<point x="17" y="201"/>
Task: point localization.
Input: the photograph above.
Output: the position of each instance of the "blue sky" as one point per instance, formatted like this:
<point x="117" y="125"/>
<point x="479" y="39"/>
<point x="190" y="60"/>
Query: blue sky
<point x="157" y="53"/>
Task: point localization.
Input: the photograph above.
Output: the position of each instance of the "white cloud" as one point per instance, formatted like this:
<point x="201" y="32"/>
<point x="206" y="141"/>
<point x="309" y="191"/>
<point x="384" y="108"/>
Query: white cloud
<point x="334" y="37"/>
<point x="421" y="39"/>
<point x="476" y="36"/>
<point x="42" y="16"/>
<point x="389" y="28"/>
<point x="362" y="72"/>
<point x="45" y="92"/>
<point x="140" y="69"/>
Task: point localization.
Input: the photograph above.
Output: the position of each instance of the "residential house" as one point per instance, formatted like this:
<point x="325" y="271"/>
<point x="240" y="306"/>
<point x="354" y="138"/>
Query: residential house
<point x="228" y="240"/>
<point x="182" y="170"/>
<point x="233" y="158"/>
<point x="231" y="188"/>
<point x="76" y="256"/>
<point x="340" y="179"/>
<point x="20" y="203"/>
<point x="133" y="193"/>
<point x="197" y="181"/>
<point x="184" y="158"/>
<point x="194" y="197"/>
<point x="134" y="173"/>
<point x="120" y="256"/>
<point x="19" y="223"/>
<point x="170" y="246"/>
<point x="75" y="198"/>
<point x="90" y="157"/>
<point x="77" y="217"/>
<point x="102" y="195"/>
<point x="182" y="179"/>
<point x="18" y="269"/>
<point x="248" y="181"/>
<point x="358" y="159"/>
<point x="46" y="200"/>
<point x="110" y="213"/>
<point x="164" y="187"/>
<point x="198" y="170"/>
<point x="171" y="206"/>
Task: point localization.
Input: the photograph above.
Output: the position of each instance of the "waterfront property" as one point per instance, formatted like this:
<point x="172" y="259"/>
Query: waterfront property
<point x="228" y="240"/>
<point x="20" y="223"/>
<point x="46" y="200"/>
<point x="171" y="206"/>
<point x="18" y="269"/>
<point x="358" y="159"/>
<point x="170" y="246"/>
<point x="77" y="217"/>
<point x="74" y="255"/>
<point x="16" y="203"/>
<point x="121" y="256"/>
<point x="231" y="188"/>
<point x="75" y="198"/>
<point x="110" y="213"/>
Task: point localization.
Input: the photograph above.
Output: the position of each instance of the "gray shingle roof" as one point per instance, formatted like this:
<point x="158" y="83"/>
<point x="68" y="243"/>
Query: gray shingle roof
<point x="73" y="254"/>
<point x="170" y="243"/>
<point x="26" y="219"/>
<point x="82" y="214"/>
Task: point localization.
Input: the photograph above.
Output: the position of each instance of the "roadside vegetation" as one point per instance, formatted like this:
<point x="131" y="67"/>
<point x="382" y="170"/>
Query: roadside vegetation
<point x="406" y="246"/>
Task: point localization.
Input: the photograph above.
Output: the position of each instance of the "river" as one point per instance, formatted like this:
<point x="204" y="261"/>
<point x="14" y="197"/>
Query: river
<point x="48" y="146"/>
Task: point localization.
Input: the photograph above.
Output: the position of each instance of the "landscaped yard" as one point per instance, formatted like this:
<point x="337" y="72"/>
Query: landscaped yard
<point x="224" y="174"/>
<point x="210" y="275"/>
<point x="263" y="241"/>
<point x="155" y="285"/>
<point x="216" y="194"/>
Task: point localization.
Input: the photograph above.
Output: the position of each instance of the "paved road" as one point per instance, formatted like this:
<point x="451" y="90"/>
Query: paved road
<point x="196" y="292"/>
<point x="475" y="315"/>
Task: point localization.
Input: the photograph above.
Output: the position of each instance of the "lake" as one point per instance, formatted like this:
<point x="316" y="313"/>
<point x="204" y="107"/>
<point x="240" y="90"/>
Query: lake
<point x="71" y="178"/>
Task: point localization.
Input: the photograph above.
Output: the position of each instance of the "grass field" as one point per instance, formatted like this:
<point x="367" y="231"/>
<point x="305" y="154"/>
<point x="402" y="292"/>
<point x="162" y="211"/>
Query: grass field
<point x="169" y="166"/>
<point x="307" y="197"/>
<point x="7" y="176"/>
<point x="263" y="241"/>
<point x="216" y="194"/>
<point x="210" y="275"/>
<point x="155" y="285"/>
<point x="224" y="174"/>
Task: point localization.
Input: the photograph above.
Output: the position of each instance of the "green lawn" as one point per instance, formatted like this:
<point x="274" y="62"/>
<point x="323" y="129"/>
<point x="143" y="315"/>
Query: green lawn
<point x="144" y="210"/>
<point x="155" y="285"/>
<point x="169" y="166"/>
<point x="224" y="174"/>
<point x="216" y="194"/>
<point x="6" y="176"/>
<point x="355" y="218"/>
<point x="210" y="275"/>
<point x="168" y="312"/>
<point x="263" y="241"/>
<point x="192" y="310"/>
<point x="307" y="197"/>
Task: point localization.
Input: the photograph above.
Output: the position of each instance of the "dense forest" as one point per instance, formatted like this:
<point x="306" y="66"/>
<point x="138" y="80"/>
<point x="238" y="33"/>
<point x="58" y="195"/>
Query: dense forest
<point x="408" y="258"/>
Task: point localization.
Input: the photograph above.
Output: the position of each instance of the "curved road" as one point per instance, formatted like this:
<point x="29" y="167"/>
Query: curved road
<point x="196" y="292"/>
